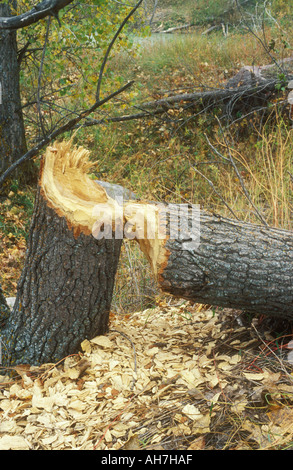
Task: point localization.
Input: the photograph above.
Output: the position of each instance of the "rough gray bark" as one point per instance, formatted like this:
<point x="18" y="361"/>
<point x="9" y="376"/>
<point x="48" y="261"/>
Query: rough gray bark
<point x="12" y="134"/>
<point x="237" y="265"/>
<point x="65" y="290"/>
<point x="64" y="293"/>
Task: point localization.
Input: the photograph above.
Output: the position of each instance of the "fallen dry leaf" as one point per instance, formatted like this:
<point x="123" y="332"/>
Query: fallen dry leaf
<point x="132" y="443"/>
<point x="197" y="444"/>
<point x="102" y="341"/>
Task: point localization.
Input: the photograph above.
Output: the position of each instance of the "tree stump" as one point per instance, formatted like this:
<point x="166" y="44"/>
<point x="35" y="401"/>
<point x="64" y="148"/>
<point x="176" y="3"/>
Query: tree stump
<point x="65" y="290"/>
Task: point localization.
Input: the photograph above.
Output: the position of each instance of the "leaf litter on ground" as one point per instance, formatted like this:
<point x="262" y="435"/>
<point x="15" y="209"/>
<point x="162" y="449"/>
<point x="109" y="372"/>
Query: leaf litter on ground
<point x="177" y="377"/>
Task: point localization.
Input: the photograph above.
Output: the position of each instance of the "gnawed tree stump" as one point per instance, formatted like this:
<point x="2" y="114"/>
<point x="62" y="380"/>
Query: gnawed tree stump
<point x="65" y="291"/>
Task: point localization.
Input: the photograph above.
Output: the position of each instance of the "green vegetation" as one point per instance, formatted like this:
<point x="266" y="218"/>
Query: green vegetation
<point x="61" y="59"/>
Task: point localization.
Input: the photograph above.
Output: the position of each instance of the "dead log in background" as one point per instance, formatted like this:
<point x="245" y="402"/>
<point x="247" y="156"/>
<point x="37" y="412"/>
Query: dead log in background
<point x="251" y="87"/>
<point x="231" y="99"/>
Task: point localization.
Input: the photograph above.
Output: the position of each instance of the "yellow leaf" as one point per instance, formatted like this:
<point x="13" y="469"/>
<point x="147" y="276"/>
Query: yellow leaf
<point x="197" y="444"/>
<point x="132" y="443"/>
<point x="191" y="411"/>
<point x="102" y="341"/>
<point x="253" y="376"/>
<point x="86" y="346"/>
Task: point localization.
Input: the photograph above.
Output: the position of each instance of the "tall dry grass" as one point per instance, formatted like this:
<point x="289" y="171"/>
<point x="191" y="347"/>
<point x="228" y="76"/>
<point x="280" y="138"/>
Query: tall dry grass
<point x="266" y="170"/>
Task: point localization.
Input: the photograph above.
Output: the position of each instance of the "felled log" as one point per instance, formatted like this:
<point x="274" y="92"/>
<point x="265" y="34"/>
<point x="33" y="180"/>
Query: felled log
<point x="226" y="263"/>
<point x="210" y="259"/>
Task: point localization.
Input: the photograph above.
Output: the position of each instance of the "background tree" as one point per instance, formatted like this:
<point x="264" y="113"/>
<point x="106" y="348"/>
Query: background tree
<point x="12" y="133"/>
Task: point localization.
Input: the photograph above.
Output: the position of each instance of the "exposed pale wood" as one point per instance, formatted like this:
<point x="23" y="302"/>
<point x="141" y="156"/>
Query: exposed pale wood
<point x="67" y="188"/>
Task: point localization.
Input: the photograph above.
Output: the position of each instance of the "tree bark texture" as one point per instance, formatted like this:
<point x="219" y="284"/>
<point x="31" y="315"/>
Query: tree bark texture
<point x="65" y="290"/>
<point x="214" y="260"/>
<point x="64" y="294"/>
<point x="4" y="309"/>
<point x="12" y="134"/>
<point x="236" y="264"/>
<point x="37" y="13"/>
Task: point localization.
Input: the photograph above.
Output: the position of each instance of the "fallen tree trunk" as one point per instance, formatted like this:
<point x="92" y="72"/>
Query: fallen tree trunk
<point x="252" y="86"/>
<point x="235" y="264"/>
<point x="210" y="259"/>
<point x="65" y="290"/>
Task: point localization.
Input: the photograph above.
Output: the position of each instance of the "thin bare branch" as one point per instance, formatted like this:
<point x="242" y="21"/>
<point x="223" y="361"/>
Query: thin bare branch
<point x="217" y="193"/>
<point x="72" y="123"/>
<point x="53" y="135"/>
<point x="263" y="42"/>
<point x="246" y="193"/>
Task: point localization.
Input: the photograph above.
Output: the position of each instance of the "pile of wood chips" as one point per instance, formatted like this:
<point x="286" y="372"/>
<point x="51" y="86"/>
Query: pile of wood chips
<point x="172" y="378"/>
